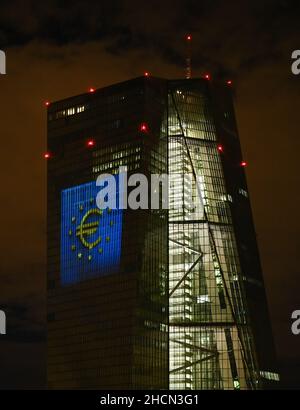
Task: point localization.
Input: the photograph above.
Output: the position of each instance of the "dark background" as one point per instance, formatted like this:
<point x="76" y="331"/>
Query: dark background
<point x="57" y="49"/>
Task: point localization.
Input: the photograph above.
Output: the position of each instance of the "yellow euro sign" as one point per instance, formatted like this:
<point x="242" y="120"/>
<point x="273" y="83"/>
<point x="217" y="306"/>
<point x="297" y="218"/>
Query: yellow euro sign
<point x="85" y="229"/>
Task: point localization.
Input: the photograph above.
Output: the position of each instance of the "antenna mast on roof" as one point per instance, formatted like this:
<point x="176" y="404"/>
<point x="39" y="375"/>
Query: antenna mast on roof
<point x="188" y="69"/>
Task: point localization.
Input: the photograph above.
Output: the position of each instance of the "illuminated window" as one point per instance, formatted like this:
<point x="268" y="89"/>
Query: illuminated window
<point x="60" y="114"/>
<point x="71" y="111"/>
<point x="80" y="108"/>
<point x="236" y="384"/>
<point x="226" y="198"/>
<point x="243" y="192"/>
<point x="270" y="376"/>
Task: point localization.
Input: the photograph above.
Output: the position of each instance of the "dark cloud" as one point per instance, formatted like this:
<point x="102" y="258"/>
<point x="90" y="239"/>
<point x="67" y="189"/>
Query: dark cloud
<point x="251" y="27"/>
<point x="260" y="59"/>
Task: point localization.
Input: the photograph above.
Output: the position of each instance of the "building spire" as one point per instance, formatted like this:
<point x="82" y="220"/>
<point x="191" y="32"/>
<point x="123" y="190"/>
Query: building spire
<point x="188" y="68"/>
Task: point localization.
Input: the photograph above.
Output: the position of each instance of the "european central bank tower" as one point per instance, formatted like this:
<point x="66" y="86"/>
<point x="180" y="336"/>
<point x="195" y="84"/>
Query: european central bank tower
<point x="166" y="298"/>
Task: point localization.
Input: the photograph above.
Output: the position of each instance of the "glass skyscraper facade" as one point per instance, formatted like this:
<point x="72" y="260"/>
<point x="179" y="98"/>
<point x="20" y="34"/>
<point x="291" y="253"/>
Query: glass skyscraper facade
<point x="211" y="344"/>
<point x="153" y="298"/>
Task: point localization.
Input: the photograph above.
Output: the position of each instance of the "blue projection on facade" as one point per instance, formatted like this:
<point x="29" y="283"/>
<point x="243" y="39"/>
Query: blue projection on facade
<point x="90" y="237"/>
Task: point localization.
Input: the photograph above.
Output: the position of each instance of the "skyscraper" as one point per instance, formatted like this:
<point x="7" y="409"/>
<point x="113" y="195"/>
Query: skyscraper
<point x="153" y="298"/>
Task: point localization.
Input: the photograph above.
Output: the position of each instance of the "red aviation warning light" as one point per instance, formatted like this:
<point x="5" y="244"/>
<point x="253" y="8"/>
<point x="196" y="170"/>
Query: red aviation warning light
<point x="220" y="148"/>
<point x="146" y="74"/>
<point x="144" y="127"/>
<point x="229" y="82"/>
<point x="243" y="164"/>
<point x="207" y="76"/>
<point x="189" y="37"/>
<point x="47" y="103"/>
<point x="47" y="155"/>
<point x="90" y="143"/>
<point x="91" y="90"/>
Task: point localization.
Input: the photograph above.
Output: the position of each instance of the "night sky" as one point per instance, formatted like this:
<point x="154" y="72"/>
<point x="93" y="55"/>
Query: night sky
<point x="58" y="49"/>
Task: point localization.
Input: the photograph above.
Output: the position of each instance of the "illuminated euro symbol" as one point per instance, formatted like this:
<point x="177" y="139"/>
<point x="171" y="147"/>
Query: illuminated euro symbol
<point x="85" y="229"/>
